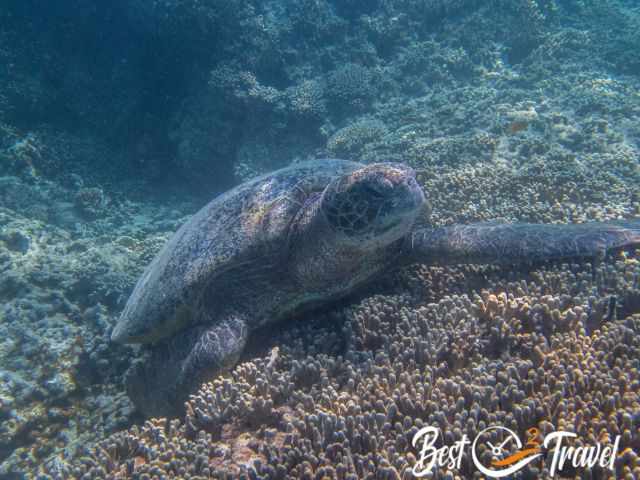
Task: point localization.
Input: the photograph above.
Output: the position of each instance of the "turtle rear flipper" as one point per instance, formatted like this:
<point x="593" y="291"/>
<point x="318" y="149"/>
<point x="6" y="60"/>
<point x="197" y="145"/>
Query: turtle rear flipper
<point x="161" y="382"/>
<point x="519" y="242"/>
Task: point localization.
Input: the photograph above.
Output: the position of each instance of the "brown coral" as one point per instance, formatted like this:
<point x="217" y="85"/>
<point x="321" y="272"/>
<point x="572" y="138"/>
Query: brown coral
<point x="346" y="392"/>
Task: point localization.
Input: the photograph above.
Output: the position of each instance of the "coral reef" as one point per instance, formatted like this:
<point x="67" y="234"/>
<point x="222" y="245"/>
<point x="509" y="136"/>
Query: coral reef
<point x="351" y="87"/>
<point x="292" y="74"/>
<point x="341" y="396"/>
<point x="63" y="278"/>
<point x="348" y="142"/>
<point x="109" y="137"/>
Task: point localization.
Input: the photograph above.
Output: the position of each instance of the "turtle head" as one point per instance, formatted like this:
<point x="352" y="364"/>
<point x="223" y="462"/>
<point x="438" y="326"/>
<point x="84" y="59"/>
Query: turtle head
<point x="375" y="205"/>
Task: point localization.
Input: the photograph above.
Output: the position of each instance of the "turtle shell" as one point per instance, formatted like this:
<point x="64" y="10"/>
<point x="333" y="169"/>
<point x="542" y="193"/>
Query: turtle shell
<point x="221" y="248"/>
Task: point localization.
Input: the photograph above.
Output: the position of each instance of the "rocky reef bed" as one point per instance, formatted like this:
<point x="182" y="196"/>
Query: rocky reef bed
<point x="512" y="110"/>
<point x="63" y="278"/>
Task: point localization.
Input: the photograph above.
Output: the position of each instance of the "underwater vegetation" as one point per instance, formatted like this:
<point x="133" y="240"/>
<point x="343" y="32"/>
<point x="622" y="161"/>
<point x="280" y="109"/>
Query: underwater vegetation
<point x="119" y="120"/>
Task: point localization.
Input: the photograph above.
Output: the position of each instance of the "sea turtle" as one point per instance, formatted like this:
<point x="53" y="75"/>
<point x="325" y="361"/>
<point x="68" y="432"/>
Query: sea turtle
<point x="295" y="239"/>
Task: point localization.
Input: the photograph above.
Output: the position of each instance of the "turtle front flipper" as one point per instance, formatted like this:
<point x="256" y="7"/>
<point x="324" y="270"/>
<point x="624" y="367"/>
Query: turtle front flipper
<point x="162" y="381"/>
<point x="519" y="242"/>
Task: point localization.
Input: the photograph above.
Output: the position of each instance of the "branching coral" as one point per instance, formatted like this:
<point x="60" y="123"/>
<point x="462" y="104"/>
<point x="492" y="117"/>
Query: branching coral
<point x="349" y="141"/>
<point x="344" y="394"/>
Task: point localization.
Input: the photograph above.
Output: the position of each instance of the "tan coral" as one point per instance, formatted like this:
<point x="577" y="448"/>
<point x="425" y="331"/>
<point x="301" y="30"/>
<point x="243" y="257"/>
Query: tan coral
<point x="543" y="351"/>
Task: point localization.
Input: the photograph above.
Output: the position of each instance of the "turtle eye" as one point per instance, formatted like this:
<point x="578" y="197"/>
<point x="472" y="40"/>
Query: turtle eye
<point x="373" y="192"/>
<point x="379" y="189"/>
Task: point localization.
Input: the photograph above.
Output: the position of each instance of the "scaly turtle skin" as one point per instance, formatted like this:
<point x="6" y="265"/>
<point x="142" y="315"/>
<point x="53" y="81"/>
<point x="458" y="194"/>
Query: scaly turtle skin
<point x="295" y="239"/>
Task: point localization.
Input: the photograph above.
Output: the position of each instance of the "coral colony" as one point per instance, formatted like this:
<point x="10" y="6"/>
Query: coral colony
<point x="351" y="410"/>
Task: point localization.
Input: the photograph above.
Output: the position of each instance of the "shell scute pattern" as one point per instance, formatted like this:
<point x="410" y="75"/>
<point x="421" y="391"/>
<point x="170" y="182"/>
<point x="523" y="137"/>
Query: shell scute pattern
<point x="238" y="237"/>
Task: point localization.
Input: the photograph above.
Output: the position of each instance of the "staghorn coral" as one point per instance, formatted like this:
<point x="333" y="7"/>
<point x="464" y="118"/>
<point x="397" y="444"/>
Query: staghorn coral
<point x="307" y="99"/>
<point x="343" y="395"/>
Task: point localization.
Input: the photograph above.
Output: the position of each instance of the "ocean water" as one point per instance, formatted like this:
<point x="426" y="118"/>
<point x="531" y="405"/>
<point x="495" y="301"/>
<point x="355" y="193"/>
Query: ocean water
<point x="406" y="244"/>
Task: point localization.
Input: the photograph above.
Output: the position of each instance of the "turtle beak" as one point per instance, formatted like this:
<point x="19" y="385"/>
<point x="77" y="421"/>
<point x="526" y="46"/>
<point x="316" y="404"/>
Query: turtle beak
<point x="410" y="197"/>
<point x="416" y="197"/>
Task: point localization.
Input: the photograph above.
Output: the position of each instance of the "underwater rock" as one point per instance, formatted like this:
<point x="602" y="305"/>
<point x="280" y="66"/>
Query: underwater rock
<point x="90" y="201"/>
<point x="16" y="241"/>
<point x="65" y="215"/>
<point x="60" y="385"/>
